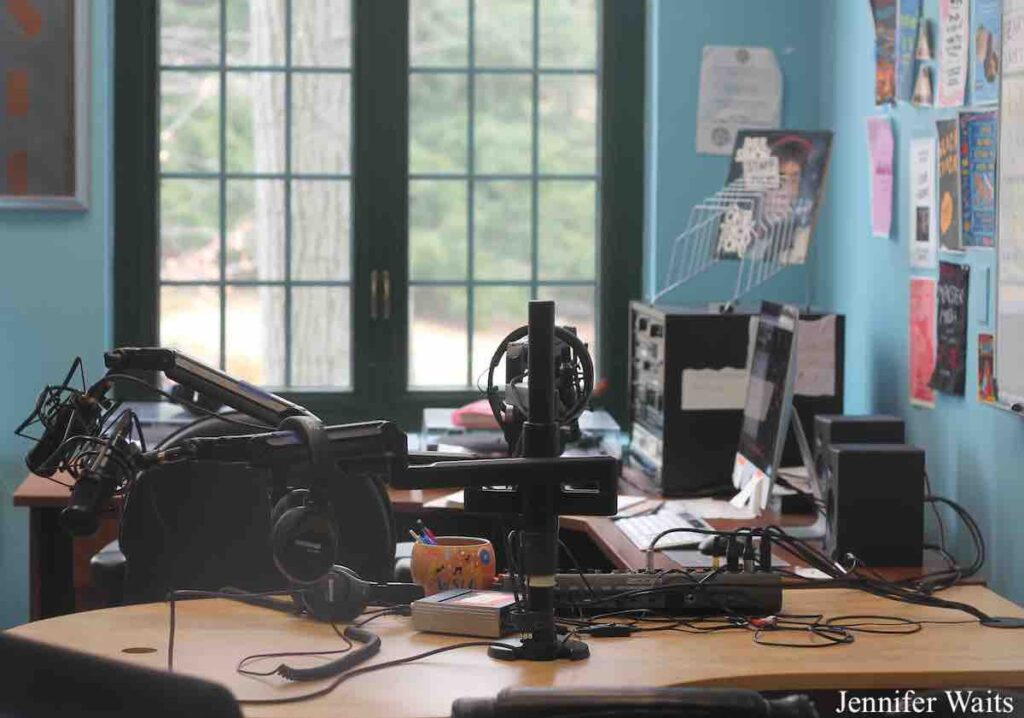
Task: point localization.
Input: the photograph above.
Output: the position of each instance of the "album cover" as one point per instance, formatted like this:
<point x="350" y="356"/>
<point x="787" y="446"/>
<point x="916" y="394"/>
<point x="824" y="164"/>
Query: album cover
<point x="951" y="329"/>
<point x="986" y="58"/>
<point x="949" y="185"/>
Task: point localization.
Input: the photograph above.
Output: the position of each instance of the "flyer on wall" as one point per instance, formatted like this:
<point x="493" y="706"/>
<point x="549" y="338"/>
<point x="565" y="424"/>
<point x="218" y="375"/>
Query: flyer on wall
<point x="986" y="369"/>
<point x="881" y="151"/>
<point x="978" y="139"/>
<point x="922" y="341"/>
<point x="950" y="371"/>
<point x="986" y="55"/>
<point x="954" y="45"/>
<point x="949" y="185"/>
<point x="909" y="22"/>
<point x="885" y="16"/>
<point x="923" y="232"/>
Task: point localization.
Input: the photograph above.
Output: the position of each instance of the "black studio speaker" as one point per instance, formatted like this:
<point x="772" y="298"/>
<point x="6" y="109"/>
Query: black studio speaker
<point x="840" y="429"/>
<point x="874" y="497"/>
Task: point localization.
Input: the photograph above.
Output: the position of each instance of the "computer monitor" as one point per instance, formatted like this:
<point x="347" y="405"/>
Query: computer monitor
<point x="769" y="405"/>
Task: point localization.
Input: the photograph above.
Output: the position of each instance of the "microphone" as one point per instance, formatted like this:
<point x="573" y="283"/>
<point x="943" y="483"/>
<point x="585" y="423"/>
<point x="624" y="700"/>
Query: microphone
<point x="98" y="479"/>
<point x="77" y="415"/>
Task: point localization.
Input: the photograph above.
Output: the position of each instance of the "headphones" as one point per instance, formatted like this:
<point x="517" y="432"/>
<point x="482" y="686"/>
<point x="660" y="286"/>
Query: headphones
<point x="303" y="533"/>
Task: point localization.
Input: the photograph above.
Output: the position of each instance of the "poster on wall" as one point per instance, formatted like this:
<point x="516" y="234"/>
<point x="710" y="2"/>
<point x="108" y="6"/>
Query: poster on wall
<point x="922" y="341"/>
<point x="951" y="329"/>
<point x="986" y="54"/>
<point x="986" y="369"/>
<point x="978" y="138"/>
<point x="954" y="45"/>
<point x="923" y="233"/>
<point x="740" y="87"/>
<point x="949" y="185"/>
<point x="909" y="22"/>
<point x="881" y="149"/>
<point x="884" y="13"/>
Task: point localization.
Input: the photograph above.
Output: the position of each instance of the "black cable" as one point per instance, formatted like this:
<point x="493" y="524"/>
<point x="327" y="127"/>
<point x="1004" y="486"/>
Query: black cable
<point x="240" y="668"/>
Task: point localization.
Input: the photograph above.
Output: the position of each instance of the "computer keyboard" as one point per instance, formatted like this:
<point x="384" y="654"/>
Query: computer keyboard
<point x="641" y="530"/>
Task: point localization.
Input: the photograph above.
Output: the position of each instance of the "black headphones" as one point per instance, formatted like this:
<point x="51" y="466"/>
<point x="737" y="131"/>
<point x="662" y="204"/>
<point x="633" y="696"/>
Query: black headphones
<point x="303" y="533"/>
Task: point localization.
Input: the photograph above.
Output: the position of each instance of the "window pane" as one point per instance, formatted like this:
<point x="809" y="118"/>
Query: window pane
<point x="255" y="32"/>
<point x="567" y="230"/>
<point x="190" y="321"/>
<point x="189" y="229"/>
<point x="496" y="312"/>
<point x="322" y="33"/>
<point x="437" y="229"/>
<point x="320" y="122"/>
<point x="437" y="123"/>
<point x="438" y="33"/>
<point x="254" y="334"/>
<point x="568" y="123"/>
<point x="189" y="116"/>
<point x="321" y="230"/>
<point x="189" y="32"/>
<point x="255" y="229"/>
<point x="574" y="307"/>
<point x="568" y="33"/>
<point x="255" y="122"/>
<point x="501" y="241"/>
<point x="503" y="33"/>
<point x="504" y="113"/>
<point x="321" y="351"/>
<point x="437" y="337"/>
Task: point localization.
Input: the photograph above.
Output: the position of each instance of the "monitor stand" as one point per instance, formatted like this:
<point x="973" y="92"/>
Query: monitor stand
<point x="752" y="493"/>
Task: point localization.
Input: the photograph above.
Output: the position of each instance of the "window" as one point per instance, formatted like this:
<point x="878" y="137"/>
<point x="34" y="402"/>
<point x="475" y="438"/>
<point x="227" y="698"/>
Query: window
<point x="351" y="201"/>
<point x="503" y="183"/>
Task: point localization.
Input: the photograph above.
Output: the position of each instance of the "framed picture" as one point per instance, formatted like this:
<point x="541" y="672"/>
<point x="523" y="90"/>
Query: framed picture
<point x="44" y="104"/>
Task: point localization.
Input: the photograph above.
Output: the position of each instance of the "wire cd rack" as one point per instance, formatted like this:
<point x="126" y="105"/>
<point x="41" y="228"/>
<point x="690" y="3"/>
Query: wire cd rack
<point x="758" y="222"/>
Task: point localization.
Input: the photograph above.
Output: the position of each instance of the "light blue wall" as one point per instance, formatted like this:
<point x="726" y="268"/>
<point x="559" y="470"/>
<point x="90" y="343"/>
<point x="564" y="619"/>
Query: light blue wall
<point x="54" y="304"/>
<point x="974" y="452"/>
<point x="678" y="177"/>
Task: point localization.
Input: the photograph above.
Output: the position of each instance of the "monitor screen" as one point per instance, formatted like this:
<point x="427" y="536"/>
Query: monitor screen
<point x="768" y="406"/>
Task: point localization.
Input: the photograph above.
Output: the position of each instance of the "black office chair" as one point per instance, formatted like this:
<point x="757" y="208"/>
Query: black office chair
<point x="629" y="702"/>
<point x="205" y="525"/>
<point x="42" y="681"/>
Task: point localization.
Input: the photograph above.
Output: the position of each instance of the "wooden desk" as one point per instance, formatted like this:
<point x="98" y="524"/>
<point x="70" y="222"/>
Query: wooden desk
<point x="213" y="635"/>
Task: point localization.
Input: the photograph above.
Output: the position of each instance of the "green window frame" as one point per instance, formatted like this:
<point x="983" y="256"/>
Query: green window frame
<point x="380" y="60"/>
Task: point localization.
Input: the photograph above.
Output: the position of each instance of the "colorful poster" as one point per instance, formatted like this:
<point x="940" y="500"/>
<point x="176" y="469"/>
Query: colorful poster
<point x="791" y="167"/>
<point x="922" y="340"/>
<point x="986" y="369"/>
<point x="949" y="185"/>
<point x="881" y="149"/>
<point x="910" y="19"/>
<point x="978" y="138"/>
<point x="951" y="329"/>
<point x="884" y="13"/>
<point x="987" y="57"/>
<point x="954" y="44"/>
<point x="923" y="232"/>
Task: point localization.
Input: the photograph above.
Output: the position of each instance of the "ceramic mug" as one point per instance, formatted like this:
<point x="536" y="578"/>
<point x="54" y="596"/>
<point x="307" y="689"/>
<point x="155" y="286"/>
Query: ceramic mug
<point x="454" y="562"/>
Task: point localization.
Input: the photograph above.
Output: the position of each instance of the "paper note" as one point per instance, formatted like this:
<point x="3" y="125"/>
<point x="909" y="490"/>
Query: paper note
<point x="740" y="88"/>
<point x="954" y="47"/>
<point x="705" y="389"/>
<point x="909" y="22"/>
<point x="816" y="357"/>
<point x="922" y="341"/>
<point x="709" y="509"/>
<point x="923" y="230"/>
<point x="987" y="55"/>
<point x="881" y="146"/>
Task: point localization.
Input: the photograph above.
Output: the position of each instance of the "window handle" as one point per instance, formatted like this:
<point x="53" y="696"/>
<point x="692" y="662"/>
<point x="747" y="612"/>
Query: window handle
<point x="386" y="281"/>
<point x="373" y="294"/>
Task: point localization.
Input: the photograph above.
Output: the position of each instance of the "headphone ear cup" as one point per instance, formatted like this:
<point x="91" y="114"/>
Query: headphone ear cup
<point x="339" y="597"/>
<point x="304" y="542"/>
<point x="293" y="499"/>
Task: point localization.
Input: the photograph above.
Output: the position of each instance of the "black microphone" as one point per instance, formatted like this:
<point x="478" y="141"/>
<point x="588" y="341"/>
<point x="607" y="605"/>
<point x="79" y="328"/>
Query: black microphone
<point x="97" y="481"/>
<point x="78" y="415"/>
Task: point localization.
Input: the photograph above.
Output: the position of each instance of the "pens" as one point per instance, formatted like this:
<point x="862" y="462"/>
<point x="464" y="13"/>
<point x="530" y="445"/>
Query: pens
<point x="424" y="531"/>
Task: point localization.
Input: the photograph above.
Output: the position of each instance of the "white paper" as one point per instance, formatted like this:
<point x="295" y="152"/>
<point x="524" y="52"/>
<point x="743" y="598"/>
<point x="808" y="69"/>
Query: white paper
<point x="954" y="52"/>
<point x="740" y="88"/>
<point x="709" y="509"/>
<point x="705" y="389"/>
<point x="924" y="239"/>
<point x="1013" y="38"/>
<point x="816" y="357"/>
